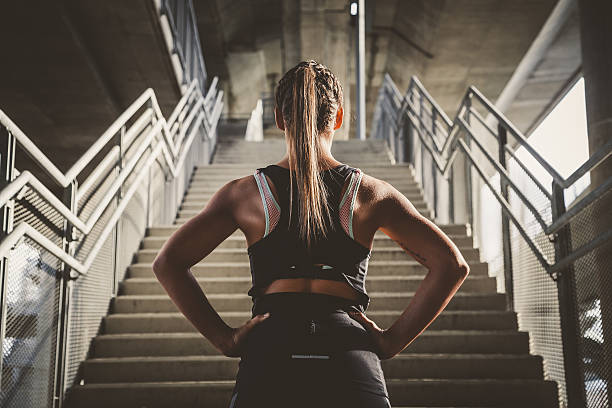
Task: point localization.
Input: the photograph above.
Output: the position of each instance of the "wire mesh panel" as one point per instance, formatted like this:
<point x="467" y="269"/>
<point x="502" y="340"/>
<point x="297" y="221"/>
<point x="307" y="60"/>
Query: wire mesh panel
<point x="592" y="281"/>
<point x="29" y="345"/>
<point x="537" y="306"/>
<point x="32" y="290"/>
<point x="91" y="293"/>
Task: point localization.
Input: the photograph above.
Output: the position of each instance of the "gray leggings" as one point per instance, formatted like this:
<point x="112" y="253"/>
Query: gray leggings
<point x="308" y="353"/>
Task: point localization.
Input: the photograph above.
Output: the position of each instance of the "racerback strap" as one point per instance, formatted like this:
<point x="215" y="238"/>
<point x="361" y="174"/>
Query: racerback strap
<point x="348" y="202"/>
<point x="271" y="207"/>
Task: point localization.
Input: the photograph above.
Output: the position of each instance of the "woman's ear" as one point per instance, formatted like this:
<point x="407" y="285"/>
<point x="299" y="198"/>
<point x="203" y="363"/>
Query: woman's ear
<point x="278" y="117"/>
<point x="339" y="117"/>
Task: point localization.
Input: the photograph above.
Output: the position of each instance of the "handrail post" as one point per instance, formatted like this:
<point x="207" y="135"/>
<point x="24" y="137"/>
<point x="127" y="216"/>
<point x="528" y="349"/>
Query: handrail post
<point x="66" y="282"/>
<point x="117" y="235"/>
<point x="149" y="177"/>
<point x="7" y="168"/>
<point x="506" y="242"/>
<point x="570" y="326"/>
<point x="468" y="168"/>
<point x="421" y="126"/>
<point x="433" y="166"/>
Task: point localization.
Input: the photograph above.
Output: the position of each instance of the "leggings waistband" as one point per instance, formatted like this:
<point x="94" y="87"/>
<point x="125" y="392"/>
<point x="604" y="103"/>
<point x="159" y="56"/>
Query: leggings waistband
<point x="302" y="303"/>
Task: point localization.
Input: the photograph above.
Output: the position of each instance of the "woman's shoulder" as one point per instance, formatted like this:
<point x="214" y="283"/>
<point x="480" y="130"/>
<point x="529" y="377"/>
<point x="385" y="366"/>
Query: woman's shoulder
<point x="372" y="189"/>
<point x="375" y="196"/>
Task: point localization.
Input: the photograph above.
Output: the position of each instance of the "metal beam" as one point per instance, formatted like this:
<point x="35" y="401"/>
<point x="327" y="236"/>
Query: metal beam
<point x="360" y="71"/>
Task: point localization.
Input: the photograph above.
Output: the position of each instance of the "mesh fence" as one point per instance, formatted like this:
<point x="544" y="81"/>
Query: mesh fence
<point x="591" y="283"/>
<point x="33" y="291"/>
<point x="535" y="293"/>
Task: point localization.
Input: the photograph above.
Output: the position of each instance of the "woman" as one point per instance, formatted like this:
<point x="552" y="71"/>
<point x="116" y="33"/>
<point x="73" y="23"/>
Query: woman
<point x="309" y="222"/>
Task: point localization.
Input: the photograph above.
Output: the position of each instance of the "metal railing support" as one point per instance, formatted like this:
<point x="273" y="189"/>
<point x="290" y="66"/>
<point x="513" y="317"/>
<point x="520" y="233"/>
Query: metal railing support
<point x="506" y="243"/>
<point x="7" y="167"/>
<point x="66" y="275"/>
<point x="468" y="168"/>
<point x="570" y="327"/>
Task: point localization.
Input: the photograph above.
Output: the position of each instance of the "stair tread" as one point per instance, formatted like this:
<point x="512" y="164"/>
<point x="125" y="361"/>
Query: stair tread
<point x="402" y="356"/>
<point x="407" y="381"/>
<point x="371" y="313"/>
<point x="406" y="262"/>
<point x="248" y="278"/>
<point x="177" y="335"/>
<point x="244" y="295"/>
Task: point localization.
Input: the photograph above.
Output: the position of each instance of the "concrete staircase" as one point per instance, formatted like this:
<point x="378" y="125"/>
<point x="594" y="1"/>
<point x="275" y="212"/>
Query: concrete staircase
<point x="149" y="355"/>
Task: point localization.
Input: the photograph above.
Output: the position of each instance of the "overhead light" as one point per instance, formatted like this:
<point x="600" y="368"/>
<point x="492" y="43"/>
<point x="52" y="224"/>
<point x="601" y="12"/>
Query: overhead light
<point x="354" y="8"/>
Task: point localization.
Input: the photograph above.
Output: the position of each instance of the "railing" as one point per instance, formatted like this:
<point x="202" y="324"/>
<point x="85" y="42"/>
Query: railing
<point x="62" y="259"/>
<point x="419" y="132"/>
<point x="254" y="130"/>
<point x="184" y="41"/>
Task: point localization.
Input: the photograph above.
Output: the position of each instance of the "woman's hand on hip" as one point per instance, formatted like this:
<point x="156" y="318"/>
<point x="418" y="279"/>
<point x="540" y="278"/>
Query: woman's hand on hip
<point x="234" y="339"/>
<point x="387" y="347"/>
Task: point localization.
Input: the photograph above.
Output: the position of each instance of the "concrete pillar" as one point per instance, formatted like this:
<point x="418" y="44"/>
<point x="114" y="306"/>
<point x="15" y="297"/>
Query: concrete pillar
<point x="292" y="49"/>
<point x="247" y="73"/>
<point x="596" y="42"/>
<point x="324" y="37"/>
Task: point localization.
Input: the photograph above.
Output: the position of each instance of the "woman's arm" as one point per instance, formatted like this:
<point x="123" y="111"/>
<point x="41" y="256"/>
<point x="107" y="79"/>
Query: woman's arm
<point x="429" y="245"/>
<point x="193" y="241"/>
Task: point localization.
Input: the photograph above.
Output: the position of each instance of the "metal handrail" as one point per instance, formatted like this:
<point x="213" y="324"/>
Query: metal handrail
<point x="186" y="42"/>
<point x="173" y="153"/>
<point x="443" y="156"/>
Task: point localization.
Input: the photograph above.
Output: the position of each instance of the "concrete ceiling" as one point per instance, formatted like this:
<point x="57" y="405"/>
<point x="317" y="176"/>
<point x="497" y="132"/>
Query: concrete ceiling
<point x="72" y="67"/>
<point x="449" y="45"/>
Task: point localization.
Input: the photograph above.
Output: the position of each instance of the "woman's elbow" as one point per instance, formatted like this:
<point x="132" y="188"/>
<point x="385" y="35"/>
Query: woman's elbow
<point x="458" y="268"/>
<point x="463" y="269"/>
<point x="160" y="265"/>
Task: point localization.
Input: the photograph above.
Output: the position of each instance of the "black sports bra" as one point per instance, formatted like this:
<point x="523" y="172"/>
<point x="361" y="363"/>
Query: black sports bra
<point x="281" y="255"/>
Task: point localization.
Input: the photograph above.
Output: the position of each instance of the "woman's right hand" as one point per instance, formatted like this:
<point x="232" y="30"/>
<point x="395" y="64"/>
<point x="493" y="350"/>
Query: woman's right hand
<point x="233" y="341"/>
<point x="386" y="346"/>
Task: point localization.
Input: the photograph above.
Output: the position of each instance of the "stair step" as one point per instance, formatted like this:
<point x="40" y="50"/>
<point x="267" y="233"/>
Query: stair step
<point x="201" y="195"/>
<point x="207" y="184"/>
<point x="463" y="242"/>
<point x="202" y="368"/>
<point x="449" y="229"/>
<point x="116" y="323"/>
<point x="229" y="302"/>
<point x="241" y="284"/>
<point x="230" y="269"/>
<point x="408" y="392"/>
<point x="241" y="255"/>
<point x="391" y="177"/>
<point x="430" y="341"/>
<point x="248" y="166"/>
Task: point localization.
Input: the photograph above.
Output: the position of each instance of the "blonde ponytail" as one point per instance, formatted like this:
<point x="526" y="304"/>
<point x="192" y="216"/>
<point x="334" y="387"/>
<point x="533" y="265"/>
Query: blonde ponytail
<point x="307" y="104"/>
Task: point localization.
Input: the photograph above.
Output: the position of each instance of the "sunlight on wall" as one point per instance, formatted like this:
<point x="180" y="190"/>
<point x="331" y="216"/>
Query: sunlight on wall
<point x="562" y="140"/>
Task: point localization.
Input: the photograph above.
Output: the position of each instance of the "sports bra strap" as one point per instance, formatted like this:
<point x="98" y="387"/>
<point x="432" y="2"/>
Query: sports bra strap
<point x="271" y="207"/>
<point x="348" y="202"/>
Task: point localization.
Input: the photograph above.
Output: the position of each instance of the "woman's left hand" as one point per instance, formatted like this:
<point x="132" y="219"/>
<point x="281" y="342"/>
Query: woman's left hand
<point x="387" y="347"/>
<point x="234" y="339"/>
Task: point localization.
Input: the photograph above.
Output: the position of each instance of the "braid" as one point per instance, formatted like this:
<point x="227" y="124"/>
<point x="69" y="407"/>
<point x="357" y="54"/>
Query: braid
<point x="330" y="96"/>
